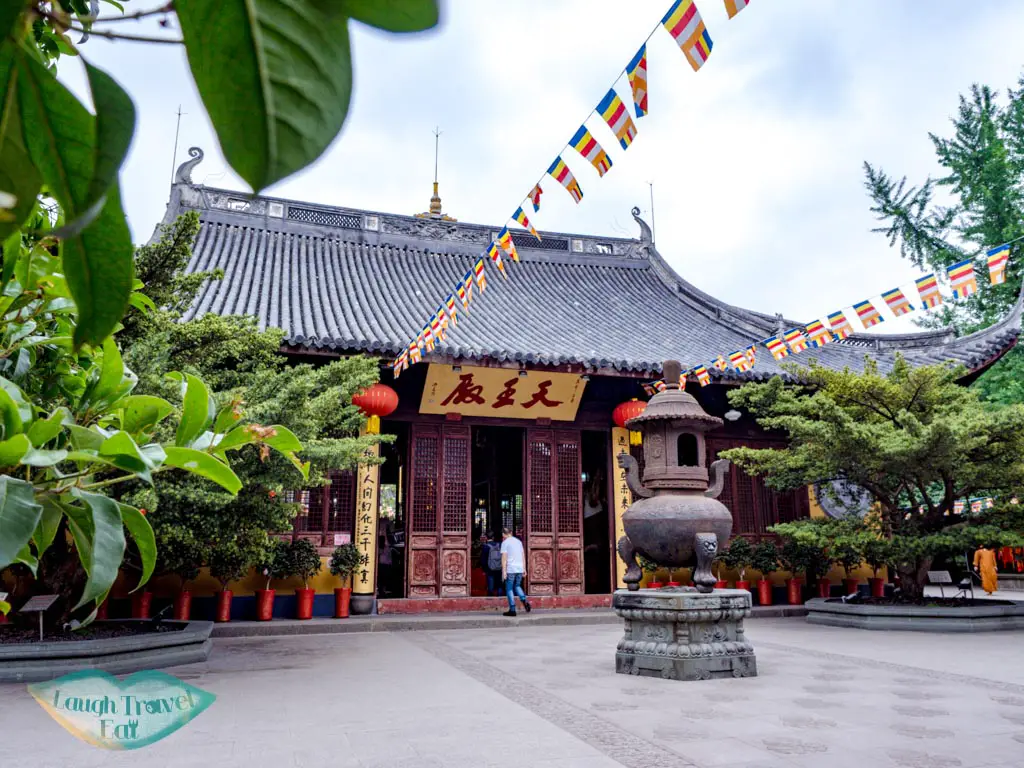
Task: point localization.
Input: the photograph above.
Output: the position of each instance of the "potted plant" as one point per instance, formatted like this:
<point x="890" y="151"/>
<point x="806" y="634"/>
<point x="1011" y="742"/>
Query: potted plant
<point x="650" y="568"/>
<point x="875" y="552"/>
<point x="765" y="558"/>
<point x="345" y="561"/>
<point x="794" y="557"/>
<point x="180" y="555"/>
<point x="304" y="562"/>
<point x="847" y="554"/>
<point x="228" y="562"/>
<point x="274" y="566"/>
<point x="737" y="557"/>
<point x="817" y="564"/>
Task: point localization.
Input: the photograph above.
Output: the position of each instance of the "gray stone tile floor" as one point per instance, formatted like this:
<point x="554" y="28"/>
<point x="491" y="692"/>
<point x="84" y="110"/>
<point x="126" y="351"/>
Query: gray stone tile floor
<point x="548" y="696"/>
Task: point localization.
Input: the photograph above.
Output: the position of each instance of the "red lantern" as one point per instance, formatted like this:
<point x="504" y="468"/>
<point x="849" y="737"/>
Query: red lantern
<point x="624" y="412"/>
<point x="376" y="401"/>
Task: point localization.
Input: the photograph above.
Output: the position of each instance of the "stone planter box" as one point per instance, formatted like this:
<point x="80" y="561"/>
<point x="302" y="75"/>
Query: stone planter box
<point x="31" y="662"/>
<point x="1011" y="583"/>
<point x="913" y="618"/>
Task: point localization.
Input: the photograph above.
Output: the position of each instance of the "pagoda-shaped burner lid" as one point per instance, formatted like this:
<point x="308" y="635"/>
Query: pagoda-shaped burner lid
<point x="675" y="405"/>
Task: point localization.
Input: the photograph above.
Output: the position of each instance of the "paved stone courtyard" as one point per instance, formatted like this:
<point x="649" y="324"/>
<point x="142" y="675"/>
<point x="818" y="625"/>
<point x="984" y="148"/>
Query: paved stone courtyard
<point x="548" y="696"/>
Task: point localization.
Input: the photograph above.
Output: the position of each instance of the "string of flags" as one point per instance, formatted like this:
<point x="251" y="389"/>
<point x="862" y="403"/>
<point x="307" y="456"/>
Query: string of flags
<point x="685" y="25"/>
<point x="836" y="326"/>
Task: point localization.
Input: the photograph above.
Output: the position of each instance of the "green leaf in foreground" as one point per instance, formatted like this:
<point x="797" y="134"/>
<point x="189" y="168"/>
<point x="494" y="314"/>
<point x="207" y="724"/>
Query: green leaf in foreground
<point x="19" y="516"/>
<point x="115" y="125"/>
<point x="275" y="77"/>
<point x="18" y="175"/>
<point x="145" y="541"/>
<point x="393" y="15"/>
<point x="204" y="465"/>
<point x="106" y="547"/>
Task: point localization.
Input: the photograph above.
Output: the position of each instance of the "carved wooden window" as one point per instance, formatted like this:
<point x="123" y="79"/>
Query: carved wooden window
<point x="570" y="500"/>
<point x="326" y="510"/>
<point x="424" y="484"/>
<point x="540" y="485"/>
<point x="456" y="483"/>
<point x="341" y="501"/>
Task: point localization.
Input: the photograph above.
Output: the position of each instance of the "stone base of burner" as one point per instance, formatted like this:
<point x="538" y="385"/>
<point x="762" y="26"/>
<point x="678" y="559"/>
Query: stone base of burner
<point x="677" y="633"/>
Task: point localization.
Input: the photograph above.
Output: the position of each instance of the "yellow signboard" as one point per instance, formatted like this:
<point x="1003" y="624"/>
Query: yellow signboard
<point x="367" y="489"/>
<point x="621" y="497"/>
<point x="502" y="393"/>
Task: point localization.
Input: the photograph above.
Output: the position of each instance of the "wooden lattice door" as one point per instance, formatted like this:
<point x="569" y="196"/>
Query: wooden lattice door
<point x="439" y="520"/>
<point x="554" y="512"/>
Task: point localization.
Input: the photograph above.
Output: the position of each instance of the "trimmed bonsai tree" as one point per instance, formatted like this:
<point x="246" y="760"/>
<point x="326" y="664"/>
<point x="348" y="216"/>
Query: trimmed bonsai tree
<point x="303" y="561"/>
<point x="228" y="562"/>
<point x="345" y="561"/>
<point x="912" y="438"/>
<point x="765" y="558"/>
<point x="738" y="556"/>
<point x="275" y="563"/>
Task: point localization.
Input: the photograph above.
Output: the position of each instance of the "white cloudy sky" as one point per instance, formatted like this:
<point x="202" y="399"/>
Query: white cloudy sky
<point x="756" y="159"/>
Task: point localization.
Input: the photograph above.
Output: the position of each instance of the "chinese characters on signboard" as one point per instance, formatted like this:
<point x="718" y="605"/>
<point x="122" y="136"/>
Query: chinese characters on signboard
<point x="621" y="497"/>
<point x="502" y="393"/>
<point x="366" y="524"/>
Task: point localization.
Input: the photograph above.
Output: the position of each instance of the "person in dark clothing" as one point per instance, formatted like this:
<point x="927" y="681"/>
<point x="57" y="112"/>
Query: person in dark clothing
<point x="490" y="561"/>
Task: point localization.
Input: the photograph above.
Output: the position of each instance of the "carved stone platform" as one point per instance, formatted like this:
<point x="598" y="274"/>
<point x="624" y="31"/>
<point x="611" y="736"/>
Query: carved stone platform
<point x="678" y="633"/>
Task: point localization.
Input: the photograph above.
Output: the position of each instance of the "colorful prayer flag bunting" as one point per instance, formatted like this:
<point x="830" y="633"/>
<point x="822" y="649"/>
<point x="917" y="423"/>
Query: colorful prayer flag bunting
<point x="534" y="197"/>
<point x="897" y="302"/>
<point x="997" y="260"/>
<point x="839" y="325"/>
<point x="442" y="319"/>
<point x="703" y="377"/>
<point x="684" y="23"/>
<point x="977" y="505"/>
<point x="463" y="296"/>
<point x="796" y="340"/>
<point x="436" y="328"/>
<point x="733" y="7"/>
<point x="958" y="507"/>
<point x="453" y="311"/>
<point x="867" y="313"/>
<point x="478" y="273"/>
<point x="617" y="116"/>
<point x="428" y="335"/>
<point x="738" y="360"/>
<point x="751" y="353"/>
<point x="401" y="363"/>
<point x="777" y="347"/>
<point x="520" y="218"/>
<point x="583" y="141"/>
<point x="505" y="241"/>
<point x="648" y="390"/>
<point x="495" y="255"/>
<point x="720" y="363"/>
<point x="962" y="279"/>
<point x="818" y="334"/>
<point x="421" y="342"/>
<point x="636" y="70"/>
<point x="467" y="284"/>
<point x="561" y="173"/>
<point x="659" y="386"/>
<point x="414" y="352"/>
<point x="928" y="288"/>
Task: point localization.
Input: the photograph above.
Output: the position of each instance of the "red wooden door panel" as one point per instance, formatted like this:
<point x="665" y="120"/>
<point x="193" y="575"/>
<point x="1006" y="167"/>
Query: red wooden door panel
<point x="455" y="516"/>
<point x="424" y="468"/>
<point x="554" y="512"/>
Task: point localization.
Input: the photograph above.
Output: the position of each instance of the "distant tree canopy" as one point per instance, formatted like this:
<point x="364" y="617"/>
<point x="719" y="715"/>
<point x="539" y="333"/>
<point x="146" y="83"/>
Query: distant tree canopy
<point x="983" y="173"/>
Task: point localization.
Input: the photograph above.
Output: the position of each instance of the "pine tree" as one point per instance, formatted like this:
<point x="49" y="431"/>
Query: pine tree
<point x="983" y="175"/>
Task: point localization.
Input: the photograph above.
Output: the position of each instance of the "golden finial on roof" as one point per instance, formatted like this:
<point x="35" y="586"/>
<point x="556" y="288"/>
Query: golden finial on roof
<point x="435" y="200"/>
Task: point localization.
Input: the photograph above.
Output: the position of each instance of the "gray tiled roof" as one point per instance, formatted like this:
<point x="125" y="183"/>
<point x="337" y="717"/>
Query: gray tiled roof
<point x="349" y="280"/>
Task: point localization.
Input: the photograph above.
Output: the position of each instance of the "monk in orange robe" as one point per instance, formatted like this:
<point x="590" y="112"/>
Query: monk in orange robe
<point x="985" y="565"/>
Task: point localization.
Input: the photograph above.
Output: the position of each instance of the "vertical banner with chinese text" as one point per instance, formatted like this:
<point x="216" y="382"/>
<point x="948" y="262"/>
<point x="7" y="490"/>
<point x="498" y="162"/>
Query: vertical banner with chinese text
<point x="621" y="498"/>
<point x="367" y="488"/>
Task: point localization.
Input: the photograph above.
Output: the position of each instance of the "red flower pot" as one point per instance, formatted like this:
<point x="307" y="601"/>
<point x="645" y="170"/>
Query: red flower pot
<point x="824" y="588"/>
<point x="183" y="606"/>
<point x="224" y="605"/>
<point x="743" y="584"/>
<point x="794" y="593"/>
<point x="264" y="604"/>
<point x="877" y="587"/>
<point x="850" y="585"/>
<point x="655" y="584"/>
<point x="102" y="612"/>
<point x="140" y="604"/>
<point x="673" y="584"/>
<point x="721" y="584"/>
<point x="342" y="596"/>
<point x="304" y="603"/>
<point x="764" y="592"/>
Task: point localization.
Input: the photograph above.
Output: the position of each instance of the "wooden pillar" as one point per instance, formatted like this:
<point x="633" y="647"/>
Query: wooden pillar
<point x="621" y="498"/>
<point x="364" y="581"/>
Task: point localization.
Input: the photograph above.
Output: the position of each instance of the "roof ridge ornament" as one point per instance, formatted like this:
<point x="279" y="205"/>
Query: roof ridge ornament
<point x="645" y="231"/>
<point x="184" y="173"/>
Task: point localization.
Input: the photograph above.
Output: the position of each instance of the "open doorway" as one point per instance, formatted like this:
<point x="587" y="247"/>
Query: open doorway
<point x="391" y="523"/>
<point x="596" y="522"/>
<point x="497" y="497"/>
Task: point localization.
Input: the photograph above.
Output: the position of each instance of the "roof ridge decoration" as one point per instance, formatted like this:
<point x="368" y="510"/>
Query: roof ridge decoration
<point x="184" y="173"/>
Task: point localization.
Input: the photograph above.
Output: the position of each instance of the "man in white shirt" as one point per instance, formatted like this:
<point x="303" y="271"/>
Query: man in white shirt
<point x="513" y="568"/>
